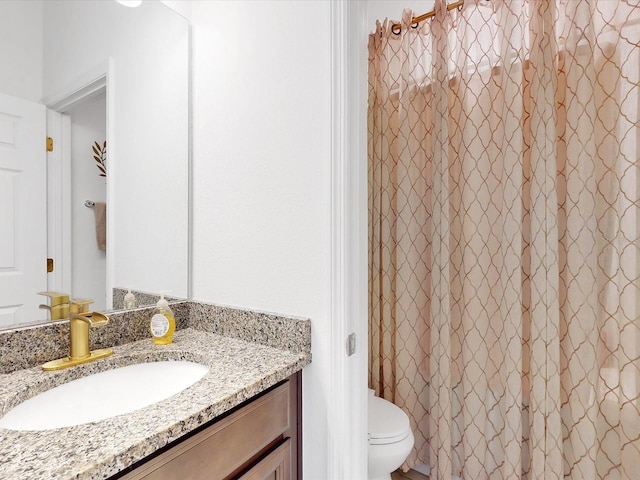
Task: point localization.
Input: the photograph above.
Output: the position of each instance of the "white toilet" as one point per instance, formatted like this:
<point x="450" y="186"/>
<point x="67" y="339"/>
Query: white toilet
<point x="390" y="438"/>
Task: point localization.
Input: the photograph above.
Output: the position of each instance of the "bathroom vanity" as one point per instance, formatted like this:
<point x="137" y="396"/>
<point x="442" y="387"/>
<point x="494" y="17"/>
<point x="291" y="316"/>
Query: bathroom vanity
<point x="241" y="420"/>
<point x="259" y="439"/>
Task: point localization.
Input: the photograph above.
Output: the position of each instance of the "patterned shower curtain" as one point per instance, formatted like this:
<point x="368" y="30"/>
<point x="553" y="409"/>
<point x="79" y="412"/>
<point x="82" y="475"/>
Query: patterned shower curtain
<point x="504" y="233"/>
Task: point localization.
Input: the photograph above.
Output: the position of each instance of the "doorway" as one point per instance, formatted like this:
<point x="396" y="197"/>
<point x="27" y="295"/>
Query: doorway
<point x="88" y="199"/>
<point x="77" y="191"/>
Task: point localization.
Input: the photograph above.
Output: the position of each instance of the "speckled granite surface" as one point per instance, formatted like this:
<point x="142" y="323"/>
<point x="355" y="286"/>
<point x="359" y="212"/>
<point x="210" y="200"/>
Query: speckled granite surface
<point x="286" y="333"/>
<point x="243" y="362"/>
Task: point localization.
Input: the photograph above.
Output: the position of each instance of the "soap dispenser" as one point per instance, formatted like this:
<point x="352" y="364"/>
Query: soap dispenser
<point x="163" y="323"/>
<point x="129" y="300"/>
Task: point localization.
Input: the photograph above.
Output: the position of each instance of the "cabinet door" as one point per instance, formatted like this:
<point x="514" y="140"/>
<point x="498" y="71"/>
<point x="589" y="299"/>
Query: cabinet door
<point x="275" y="466"/>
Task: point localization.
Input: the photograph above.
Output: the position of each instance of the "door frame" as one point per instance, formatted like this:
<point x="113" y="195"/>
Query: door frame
<point x="347" y="433"/>
<point x="59" y="202"/>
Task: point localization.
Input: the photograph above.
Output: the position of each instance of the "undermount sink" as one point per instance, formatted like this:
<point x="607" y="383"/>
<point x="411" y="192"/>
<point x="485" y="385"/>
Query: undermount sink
<point x="103" y="395"/>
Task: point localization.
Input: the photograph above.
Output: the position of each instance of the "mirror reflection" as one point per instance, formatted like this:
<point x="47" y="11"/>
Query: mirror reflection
<point x="106" y="206"/>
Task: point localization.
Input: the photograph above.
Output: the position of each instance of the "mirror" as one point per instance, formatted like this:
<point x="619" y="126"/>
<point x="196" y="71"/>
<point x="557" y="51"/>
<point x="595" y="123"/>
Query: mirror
<point x="110" y="84"/>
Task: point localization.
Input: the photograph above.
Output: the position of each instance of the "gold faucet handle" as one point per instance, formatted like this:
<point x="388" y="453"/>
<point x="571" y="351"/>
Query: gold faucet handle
<point x="57" y="298"/>
<point x="80" y="305"/>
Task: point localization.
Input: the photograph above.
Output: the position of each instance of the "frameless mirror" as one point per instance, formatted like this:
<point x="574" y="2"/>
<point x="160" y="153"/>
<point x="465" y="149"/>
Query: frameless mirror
<point x="109" y="203"/>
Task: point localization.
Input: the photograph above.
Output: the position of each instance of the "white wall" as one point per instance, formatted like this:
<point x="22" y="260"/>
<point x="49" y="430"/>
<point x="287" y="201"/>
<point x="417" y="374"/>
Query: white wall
<point x="261" y="158"/>
<point x="21" y="49"/>
<point x="88" y="276"/>
<point x="147" y="128"/>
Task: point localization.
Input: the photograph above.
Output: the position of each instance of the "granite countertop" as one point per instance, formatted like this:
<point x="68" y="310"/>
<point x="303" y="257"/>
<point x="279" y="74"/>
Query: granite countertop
<point x="239" y="370"/>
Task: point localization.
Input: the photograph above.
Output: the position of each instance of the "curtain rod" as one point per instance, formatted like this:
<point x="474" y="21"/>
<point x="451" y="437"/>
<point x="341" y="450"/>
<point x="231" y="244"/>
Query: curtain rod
<point x="397" y="27"/>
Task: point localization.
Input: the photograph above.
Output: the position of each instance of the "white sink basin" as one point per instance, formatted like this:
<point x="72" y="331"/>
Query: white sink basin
<point x="103" y="395"/>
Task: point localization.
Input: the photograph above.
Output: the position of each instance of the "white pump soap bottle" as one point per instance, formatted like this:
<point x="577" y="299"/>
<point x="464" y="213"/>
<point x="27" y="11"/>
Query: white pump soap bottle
<point x="129" y="300"/>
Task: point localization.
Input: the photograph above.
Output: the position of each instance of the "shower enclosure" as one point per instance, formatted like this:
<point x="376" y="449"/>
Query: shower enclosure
<point x="504" y="236"/>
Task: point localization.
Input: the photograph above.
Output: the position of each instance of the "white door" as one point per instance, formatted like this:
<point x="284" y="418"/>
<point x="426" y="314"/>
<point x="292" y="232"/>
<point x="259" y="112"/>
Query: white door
<point x="23" y="210"/>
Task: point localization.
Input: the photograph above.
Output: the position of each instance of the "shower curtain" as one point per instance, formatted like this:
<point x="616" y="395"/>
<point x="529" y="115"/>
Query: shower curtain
<point x="504" y="233"/>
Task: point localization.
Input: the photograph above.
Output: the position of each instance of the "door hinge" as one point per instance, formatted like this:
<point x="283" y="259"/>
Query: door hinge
<point x="49" y="144"/>
<point x="49" y="265"/>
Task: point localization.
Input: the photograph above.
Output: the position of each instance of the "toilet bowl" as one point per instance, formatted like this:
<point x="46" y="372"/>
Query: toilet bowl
<point x="390" y="438"/>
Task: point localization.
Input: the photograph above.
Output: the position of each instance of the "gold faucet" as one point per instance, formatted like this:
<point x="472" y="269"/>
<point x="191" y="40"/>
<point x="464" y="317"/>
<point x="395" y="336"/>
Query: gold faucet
<point x="80" y="319"/>
<point x="59" y="307"/>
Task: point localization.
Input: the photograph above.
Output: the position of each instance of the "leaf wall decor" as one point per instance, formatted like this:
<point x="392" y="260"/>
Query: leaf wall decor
<point x="100" y="157"/>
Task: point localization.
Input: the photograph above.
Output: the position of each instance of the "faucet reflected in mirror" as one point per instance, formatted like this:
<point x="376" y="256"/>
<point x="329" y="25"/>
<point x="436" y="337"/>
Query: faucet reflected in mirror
<point x="59" y="307"/>
<point x="80" y="319"/>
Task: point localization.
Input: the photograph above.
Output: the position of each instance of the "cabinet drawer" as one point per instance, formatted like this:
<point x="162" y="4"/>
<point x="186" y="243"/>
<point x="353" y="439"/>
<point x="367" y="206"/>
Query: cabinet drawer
<point x="220" y="449"/>
<point x="275" y="466"/>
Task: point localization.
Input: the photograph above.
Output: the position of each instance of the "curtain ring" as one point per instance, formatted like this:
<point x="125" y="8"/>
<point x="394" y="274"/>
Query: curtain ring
<point x="396" y="28"/>
<point x="415" y="25"/>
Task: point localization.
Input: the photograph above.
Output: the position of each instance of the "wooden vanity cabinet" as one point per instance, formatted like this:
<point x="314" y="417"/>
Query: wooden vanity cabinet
<point x="258" y="440"/>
